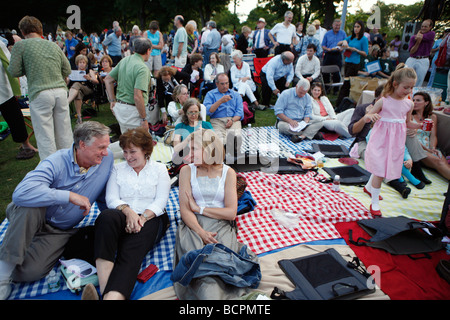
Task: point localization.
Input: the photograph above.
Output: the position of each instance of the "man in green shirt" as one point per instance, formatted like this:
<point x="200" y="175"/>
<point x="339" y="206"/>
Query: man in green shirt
<point x="133" y="79"/>
<point x="46" y="68"/>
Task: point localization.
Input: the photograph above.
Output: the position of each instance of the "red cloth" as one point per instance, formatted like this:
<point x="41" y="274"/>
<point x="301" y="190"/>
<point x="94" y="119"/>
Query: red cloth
<point x="402" y="278"/>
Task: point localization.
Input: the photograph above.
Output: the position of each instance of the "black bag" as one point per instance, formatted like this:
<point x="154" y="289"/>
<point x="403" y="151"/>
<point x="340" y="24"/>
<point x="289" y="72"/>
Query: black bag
<point x="324" y="276"/>
<point x="331" y="150"/>
<point x="350" y="175"/>
<point x="400" y="235"/>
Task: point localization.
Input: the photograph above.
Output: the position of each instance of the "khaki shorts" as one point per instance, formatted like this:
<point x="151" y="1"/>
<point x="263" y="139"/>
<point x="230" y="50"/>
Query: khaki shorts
<point x="154" y="63"/>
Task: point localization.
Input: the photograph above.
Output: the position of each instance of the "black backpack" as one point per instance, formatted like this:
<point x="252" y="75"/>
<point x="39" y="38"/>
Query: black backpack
<point x="324" y="276"/>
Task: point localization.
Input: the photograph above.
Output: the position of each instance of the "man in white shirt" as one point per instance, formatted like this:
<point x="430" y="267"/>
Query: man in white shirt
<point x="308" y="65"/>
<point x="284" y="33"/>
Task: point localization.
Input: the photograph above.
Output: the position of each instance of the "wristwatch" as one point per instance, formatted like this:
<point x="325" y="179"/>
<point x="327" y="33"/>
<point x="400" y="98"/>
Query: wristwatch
<point x="122" y="206"/>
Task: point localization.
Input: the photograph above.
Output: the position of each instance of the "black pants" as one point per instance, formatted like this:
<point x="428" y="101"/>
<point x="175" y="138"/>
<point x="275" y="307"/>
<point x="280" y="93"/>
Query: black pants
<point x="282" y="48"/>
<point x="267" y="91"/>
<point x="126" y="250"/>
<point x="350" y="70"/>
<point x="13" y="116"/>
<point x="116" y="60"/>
<point x="261" y="53"/>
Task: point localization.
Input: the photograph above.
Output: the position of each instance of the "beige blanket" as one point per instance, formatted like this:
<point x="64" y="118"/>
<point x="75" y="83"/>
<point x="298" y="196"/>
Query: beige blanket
<point x="273" y="276"/>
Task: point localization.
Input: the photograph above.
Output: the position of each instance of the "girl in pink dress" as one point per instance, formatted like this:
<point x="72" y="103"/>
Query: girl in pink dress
<point x="386" y="147"/>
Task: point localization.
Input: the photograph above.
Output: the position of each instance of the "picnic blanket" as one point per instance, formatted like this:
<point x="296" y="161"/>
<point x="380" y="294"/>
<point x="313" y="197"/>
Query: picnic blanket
<point x="400" y="276"/>
<point x="424" y="204"/>
<point x="314" y="204"/>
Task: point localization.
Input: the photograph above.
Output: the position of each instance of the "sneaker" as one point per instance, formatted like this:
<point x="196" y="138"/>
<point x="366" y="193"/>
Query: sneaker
<point x="261" y="107"/>
<point x="5" y="289"/>
<point x="420" y="185"/>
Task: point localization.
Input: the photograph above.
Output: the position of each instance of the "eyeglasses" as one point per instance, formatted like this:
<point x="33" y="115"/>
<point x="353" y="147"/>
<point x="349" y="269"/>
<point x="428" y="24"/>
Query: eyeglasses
<point x="223" y="83"/>
<point x="184" y="93"/>
<point x="192" y="113"/>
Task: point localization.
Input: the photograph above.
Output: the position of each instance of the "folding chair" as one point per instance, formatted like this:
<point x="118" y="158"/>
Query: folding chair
<point x="331" y="69"/>
<point x="258" y="64"/>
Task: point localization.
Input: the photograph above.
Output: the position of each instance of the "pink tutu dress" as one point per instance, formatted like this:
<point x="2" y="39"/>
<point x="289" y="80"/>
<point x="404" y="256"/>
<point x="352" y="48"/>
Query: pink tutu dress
<point x="386" y="147"/>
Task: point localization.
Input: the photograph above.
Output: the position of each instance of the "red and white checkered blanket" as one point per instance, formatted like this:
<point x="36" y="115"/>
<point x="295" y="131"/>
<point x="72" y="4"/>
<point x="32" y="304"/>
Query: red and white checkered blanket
<point x="317" y="206"/>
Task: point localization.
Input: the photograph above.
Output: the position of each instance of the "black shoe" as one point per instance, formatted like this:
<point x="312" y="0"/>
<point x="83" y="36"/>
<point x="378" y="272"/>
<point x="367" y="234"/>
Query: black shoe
<point x="420" y="185"/>
<point x="400" y="187"/>
<point x="318" y="136"/>
<point x="296" y="139"/>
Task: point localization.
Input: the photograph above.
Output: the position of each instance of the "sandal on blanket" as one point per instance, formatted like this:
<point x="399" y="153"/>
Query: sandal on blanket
<point x="25" y="154"/>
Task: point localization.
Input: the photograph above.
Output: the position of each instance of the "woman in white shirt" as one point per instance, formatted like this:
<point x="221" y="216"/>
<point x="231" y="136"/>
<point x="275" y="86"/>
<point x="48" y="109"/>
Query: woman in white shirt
<point x="241" y="77"/>
<point x="322" y="110"/>
<point x="175" y="108"/>
<point x="136" y="195"/>
<point x="212" y="69"/>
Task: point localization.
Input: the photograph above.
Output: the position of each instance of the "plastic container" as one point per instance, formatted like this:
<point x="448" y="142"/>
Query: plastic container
<point x="53" y="281"/>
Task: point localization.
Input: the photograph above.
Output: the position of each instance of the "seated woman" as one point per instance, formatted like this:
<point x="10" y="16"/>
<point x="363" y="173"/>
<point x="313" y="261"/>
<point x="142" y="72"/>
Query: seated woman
<point x="105" y="65"/>
<point x="80" y="89"/>
<point x="168" y="78"/>
<point x="136" y="195"/>
<point x="175" y="107"/>
<point x="195" y="72"/>
<point x="212" y="69"/>
<point x="208" y="206"/>
<point x="241" y="77"/>
<point x="322" y="110"/>
<point x="191" y="120"/>
<point x="423" y="109"/>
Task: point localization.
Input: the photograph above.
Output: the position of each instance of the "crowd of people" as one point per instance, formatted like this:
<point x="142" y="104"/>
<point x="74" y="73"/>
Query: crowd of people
<point x="77" y="166"/>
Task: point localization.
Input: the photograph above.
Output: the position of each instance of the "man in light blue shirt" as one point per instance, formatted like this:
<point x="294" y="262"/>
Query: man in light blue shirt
<point x="212" y="42"/>
<point x="114" y="44"/>
<point x="276" y="75"/>
<point x="50" y="202"/>
<point x="180" y="42"/>
<point x="224" y="107"/>
<point x="293" y="107"/>
<point x="333" y="52"/>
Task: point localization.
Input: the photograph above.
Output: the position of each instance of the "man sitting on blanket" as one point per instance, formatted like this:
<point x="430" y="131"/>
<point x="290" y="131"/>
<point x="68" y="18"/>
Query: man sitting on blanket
<point x="293" y="110"/>
<point x="50" y="201"/>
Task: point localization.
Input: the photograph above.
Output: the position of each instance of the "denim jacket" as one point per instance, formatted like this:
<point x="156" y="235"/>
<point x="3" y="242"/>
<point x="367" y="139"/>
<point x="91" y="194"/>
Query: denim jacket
<point x="217" y="260"/>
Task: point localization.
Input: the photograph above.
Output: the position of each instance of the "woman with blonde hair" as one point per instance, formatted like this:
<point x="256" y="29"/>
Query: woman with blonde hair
<point x="208" y="207"/>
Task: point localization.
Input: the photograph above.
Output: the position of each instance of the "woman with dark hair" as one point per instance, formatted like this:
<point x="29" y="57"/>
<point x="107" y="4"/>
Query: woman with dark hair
<point x="191" y="120"/>
<point x="322" y="110"/>
<point x="195" y="72"/>
<point x="80" y="48"/>
<point x="168" y="78"/>
<point x="423" y="109"/>
<point x="355" y="46"/>
<point x="136" y="195"/>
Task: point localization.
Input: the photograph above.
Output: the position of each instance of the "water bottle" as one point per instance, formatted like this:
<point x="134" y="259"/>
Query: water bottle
<point x="336" y="186"/>
<point x="249" y="130"/>
<point x="53" y="281"/>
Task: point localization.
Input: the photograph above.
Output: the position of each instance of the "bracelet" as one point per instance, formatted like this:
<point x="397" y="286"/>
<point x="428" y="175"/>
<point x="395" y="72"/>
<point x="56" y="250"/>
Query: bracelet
<point x="122" y="206"/>
<point x="143" y="119"/>
<point x="113" y="100"/>
<point x="201" y="210"/>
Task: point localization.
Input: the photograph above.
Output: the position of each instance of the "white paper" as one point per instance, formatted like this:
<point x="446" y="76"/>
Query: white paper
<point x="77" y="75"/>
<point x="194" y="75"/>
<point x="301" y="125"/>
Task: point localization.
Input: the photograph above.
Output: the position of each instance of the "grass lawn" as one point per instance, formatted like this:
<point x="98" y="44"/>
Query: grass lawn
<point x="13" y="171"/>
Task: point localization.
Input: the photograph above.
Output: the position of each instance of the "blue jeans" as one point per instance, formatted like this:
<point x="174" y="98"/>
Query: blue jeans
<point x="218" y="260"/>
